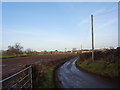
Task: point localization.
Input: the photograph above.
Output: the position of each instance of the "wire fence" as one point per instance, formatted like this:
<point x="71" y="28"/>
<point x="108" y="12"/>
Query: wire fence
<point x="21" y="79"/>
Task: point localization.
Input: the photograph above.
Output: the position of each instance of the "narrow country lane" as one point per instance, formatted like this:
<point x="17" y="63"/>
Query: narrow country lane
<point x="70" y="76"/>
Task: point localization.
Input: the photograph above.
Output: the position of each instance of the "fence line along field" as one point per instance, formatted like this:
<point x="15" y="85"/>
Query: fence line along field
<point x="13" y="65"/>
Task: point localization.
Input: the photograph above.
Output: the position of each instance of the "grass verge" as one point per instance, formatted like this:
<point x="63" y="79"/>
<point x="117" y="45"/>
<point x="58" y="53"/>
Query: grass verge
<point x="44" y="73"/>
<point x="48" y="75"/>
<point x="100" y="67"/>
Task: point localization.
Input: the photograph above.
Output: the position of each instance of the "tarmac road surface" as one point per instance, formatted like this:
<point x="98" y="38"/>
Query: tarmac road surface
<point x="69" y="76"/>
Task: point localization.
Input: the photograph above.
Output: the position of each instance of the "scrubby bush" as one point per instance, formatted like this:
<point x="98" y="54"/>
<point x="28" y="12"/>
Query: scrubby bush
<point x="14" y="50"/>
<point x="109" y="56"/>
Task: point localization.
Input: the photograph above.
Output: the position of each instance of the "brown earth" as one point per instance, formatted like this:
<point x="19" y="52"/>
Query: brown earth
<point x="13" y="65"/>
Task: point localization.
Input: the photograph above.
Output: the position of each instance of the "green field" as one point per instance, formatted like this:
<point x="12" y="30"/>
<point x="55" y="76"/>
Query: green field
<point x="22" y="55"/>
<point x="11" y="56"/>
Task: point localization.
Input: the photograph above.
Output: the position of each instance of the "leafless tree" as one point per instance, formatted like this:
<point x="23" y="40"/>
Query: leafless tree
<point x="15" y="49"/>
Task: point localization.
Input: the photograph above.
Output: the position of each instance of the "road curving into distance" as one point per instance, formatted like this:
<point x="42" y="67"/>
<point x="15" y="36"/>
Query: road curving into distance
<point x="69" y="76"/>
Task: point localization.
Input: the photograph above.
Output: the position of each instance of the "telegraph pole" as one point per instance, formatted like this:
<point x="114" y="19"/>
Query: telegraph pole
<point x="92" y="38"/>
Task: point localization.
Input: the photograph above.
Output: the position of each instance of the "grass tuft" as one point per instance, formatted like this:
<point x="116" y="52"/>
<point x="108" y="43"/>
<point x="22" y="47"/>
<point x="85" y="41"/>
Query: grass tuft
<point x="100" y="67"/>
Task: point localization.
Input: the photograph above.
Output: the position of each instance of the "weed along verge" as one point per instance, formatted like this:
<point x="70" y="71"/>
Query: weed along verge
<point x="103" y="66"/>
<point x="44" y="73"/>
<point x="99" y="68"/>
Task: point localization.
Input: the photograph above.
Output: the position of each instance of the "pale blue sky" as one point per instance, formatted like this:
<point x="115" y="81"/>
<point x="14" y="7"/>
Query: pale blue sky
<point x="51" y="26"/>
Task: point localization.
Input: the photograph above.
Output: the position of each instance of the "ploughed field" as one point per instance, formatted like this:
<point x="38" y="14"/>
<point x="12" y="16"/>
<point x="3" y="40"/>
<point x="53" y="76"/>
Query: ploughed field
<point x="13" y="65"/>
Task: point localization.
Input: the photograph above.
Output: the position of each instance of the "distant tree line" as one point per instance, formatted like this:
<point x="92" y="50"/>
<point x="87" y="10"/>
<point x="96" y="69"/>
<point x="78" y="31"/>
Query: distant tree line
<point x="17" y="49"/>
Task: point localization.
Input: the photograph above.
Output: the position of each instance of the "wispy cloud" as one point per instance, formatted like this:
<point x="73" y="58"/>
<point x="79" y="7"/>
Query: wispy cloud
<point x="104" y="11"/>
<point x="86" y="20"/>
<point x="96" y="13"/>
<point x="106" y="24"/>
<point x="99" y="11"/>
<point x="30" y="32"/>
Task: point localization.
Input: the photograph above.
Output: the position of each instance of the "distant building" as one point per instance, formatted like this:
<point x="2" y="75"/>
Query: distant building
<point x="68" y="51"/>
<point x="74" y="50"/>
<point x="86" y="51"/>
